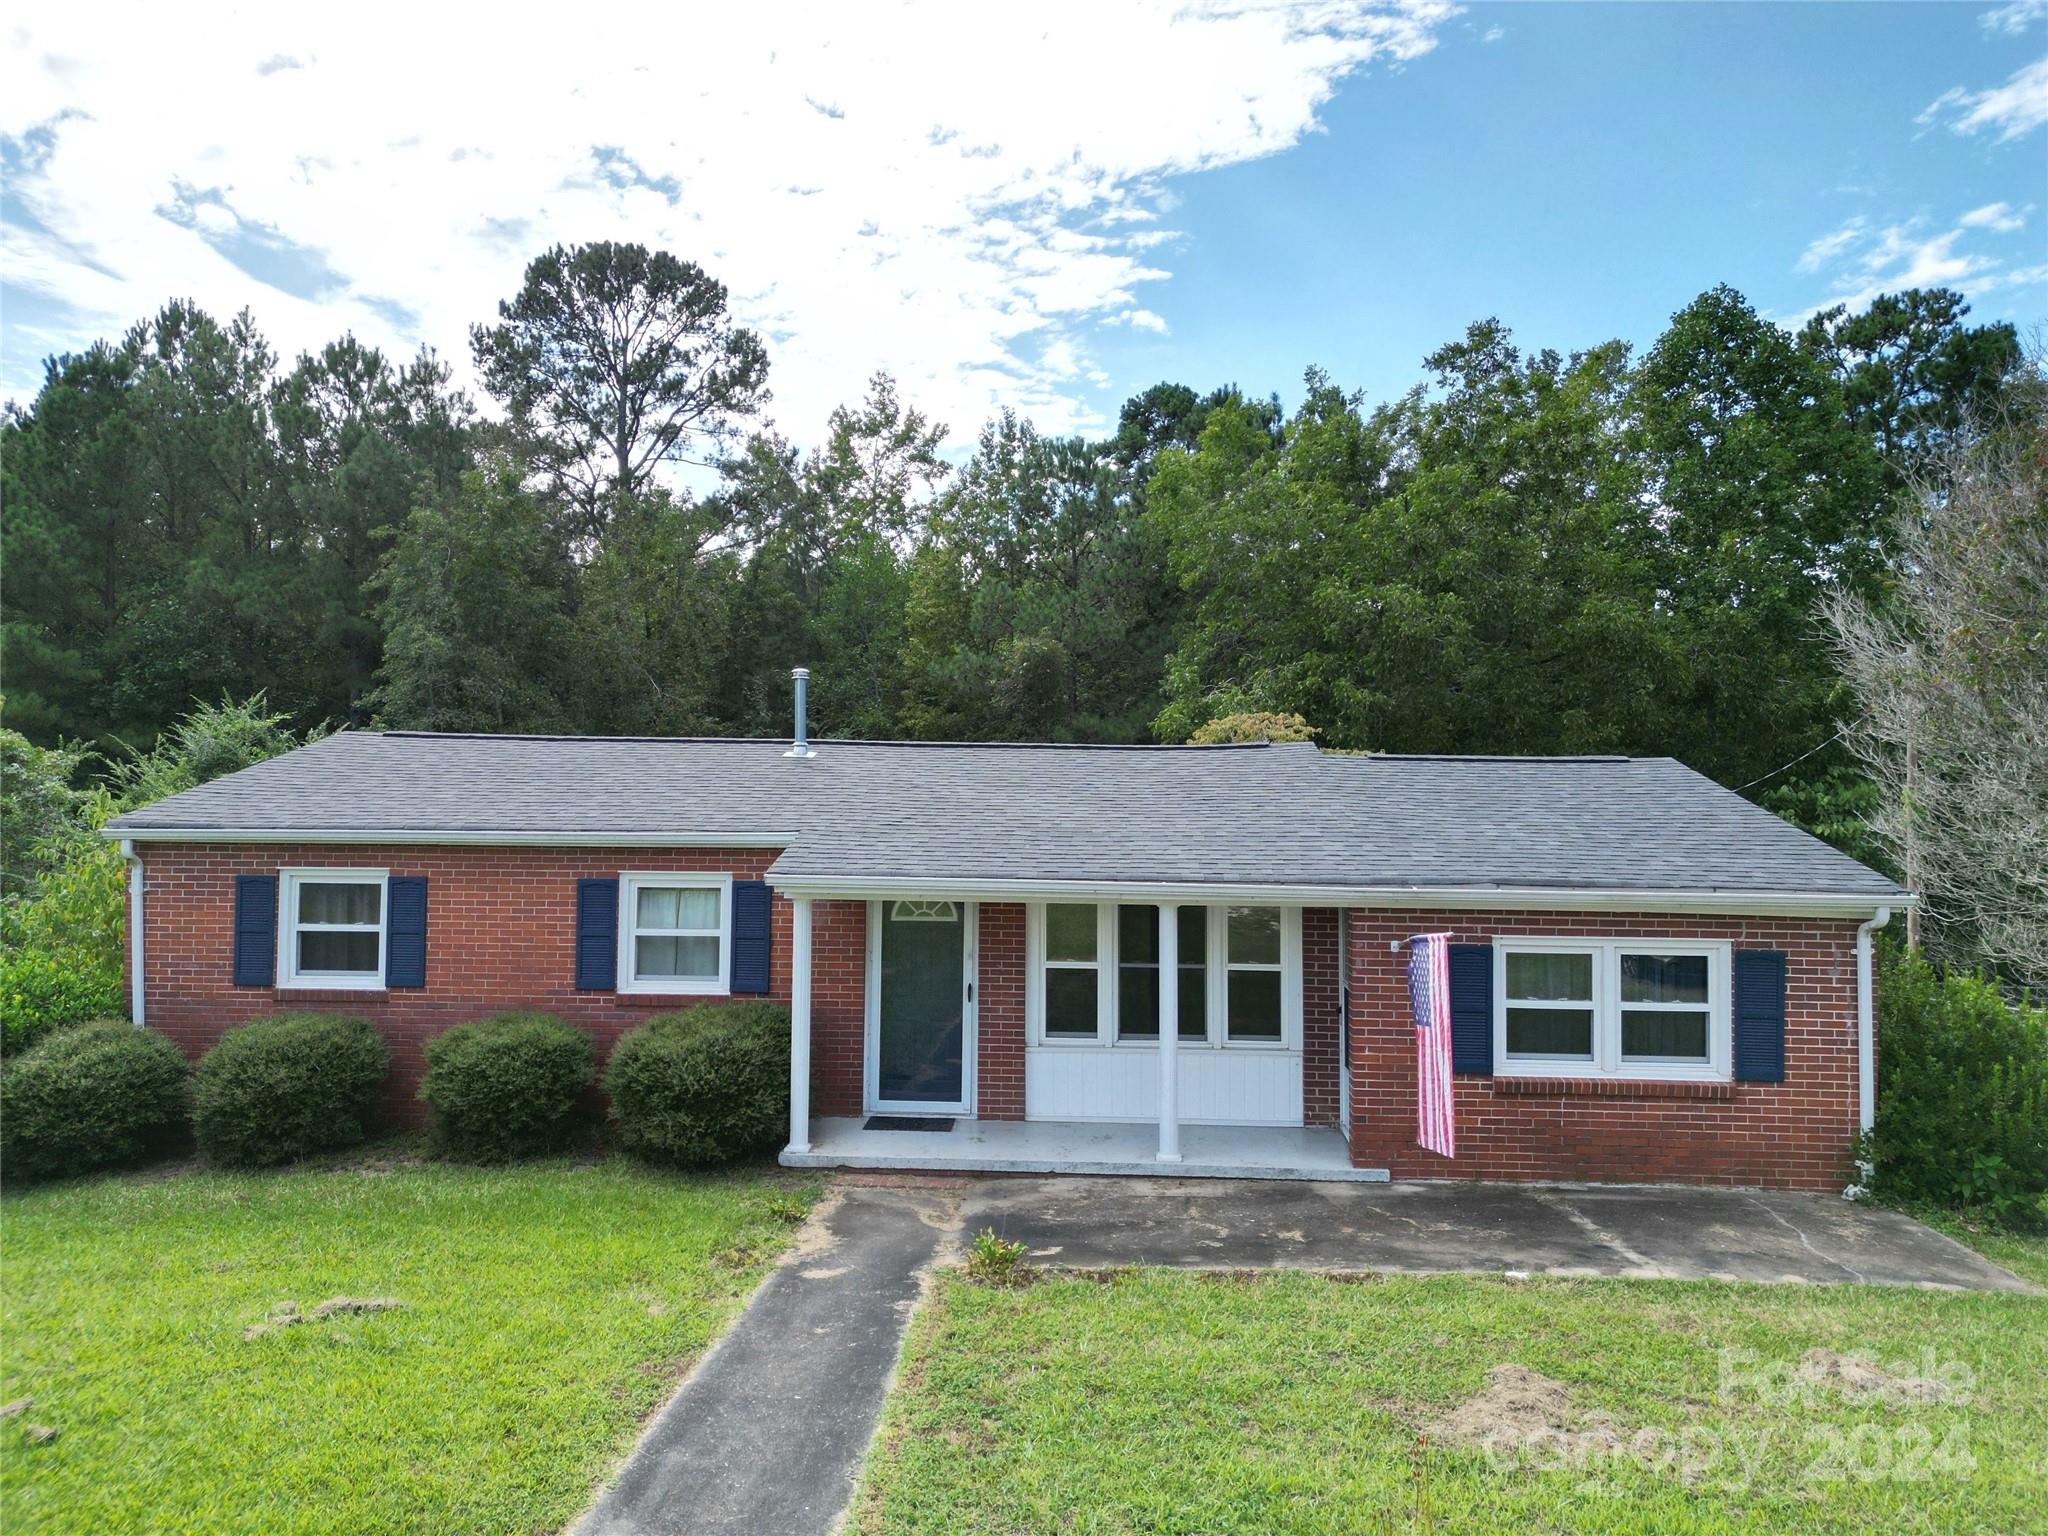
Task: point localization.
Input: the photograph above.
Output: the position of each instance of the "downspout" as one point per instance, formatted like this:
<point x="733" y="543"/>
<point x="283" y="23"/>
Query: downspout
<point x="1866" y="1027"/>
<point x="134" y="929"/>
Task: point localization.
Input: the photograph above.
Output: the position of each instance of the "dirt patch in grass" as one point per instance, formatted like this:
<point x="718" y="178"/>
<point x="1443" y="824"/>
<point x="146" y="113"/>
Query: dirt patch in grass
<point x="1520" y="1409"/>
<point x="286" y="1314"/>
<point x="1855" y="1377"/>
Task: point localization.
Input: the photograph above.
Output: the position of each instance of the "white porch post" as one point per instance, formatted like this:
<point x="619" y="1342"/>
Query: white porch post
<point x="1169" y="1032"/>
<point x="800" y="1026"/>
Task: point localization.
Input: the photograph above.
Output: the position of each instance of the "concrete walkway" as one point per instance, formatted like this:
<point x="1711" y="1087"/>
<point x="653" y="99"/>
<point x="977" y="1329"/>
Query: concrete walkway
<point x="768" y="1434"/>
<point x="1424" y="1228"/>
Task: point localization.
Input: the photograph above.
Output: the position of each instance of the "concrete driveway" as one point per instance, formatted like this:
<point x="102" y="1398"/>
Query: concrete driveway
<point x="1428" y="1228"/>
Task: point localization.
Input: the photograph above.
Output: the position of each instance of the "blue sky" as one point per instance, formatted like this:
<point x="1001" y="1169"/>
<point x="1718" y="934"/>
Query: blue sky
<point x="1045" y="207"/>
<point x="1585" y="175"/>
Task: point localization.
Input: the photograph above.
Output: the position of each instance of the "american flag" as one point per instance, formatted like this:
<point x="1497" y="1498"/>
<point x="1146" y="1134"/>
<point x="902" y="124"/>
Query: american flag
<point x="1429" y="990"/>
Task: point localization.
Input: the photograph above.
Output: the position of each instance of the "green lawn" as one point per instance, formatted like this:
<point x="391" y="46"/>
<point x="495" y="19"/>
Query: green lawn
<point x="1158" y="1401"/>
<point x="545" y="1311"/>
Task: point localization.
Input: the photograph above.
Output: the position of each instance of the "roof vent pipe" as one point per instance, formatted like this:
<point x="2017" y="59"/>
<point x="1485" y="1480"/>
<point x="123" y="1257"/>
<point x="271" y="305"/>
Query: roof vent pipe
<point x="800" y="746"/>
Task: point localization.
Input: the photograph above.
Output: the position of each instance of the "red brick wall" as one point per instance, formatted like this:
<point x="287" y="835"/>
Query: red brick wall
<point x="1321" y="1000"/>
<point x="1794" y="1134"/>
<point x="839" y="1003"/>
<point x="501" y="934"/>
<point x="839" y="970"/>
<point x="999" y="1045"/>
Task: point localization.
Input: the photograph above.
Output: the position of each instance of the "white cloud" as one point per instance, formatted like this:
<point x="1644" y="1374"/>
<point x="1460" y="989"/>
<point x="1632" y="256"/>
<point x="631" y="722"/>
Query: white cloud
<point x="2002" y="217"/>
<point x="2014" y="19"/>
<point x="952" y="193"/>
<point x="1862" y="262"/>
<point x="1493" y="34"/>
<point x="2015" y="108"/>
<point x="1138" y="319"/>
<point x="1827" y="248"/>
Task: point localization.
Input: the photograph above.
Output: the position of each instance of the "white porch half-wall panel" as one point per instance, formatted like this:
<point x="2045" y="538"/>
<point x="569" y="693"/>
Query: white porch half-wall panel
<point x="1122" y="1083"/>
<point x="1112" y="1079"/>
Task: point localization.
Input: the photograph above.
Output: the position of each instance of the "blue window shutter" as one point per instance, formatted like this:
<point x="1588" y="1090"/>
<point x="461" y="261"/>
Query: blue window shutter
<point x="405" y="931"/>
<point x="255" y="930"/>
<point x="1759" y="1015"/>
<point x="751" y="904"/>
<point x="1472" y="1008"/>
<point x="597" y="935"/>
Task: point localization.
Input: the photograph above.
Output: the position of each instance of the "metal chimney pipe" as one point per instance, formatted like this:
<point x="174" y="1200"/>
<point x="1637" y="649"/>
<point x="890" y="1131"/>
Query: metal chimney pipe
<point x="801" y="745"/>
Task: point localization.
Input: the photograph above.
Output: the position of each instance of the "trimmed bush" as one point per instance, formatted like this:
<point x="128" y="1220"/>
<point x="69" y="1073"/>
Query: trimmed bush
<point x="1962" y="1092"/>
<point x="92" y="1096"/>
<point x="702" y="1086"/>
<point x="506" y="1087"/>
<point x="281" y="1088"/>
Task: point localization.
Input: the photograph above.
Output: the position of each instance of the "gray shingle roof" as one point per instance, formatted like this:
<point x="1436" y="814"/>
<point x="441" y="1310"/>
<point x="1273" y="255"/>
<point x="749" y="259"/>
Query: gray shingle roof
<point x="1246" y="815"/>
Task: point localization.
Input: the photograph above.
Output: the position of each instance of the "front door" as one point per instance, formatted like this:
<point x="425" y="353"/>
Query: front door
<point x="920" y="1012"/>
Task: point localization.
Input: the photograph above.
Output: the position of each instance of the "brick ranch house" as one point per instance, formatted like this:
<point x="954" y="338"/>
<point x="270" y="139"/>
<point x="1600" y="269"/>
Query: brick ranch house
<point x="1038" y="958"/>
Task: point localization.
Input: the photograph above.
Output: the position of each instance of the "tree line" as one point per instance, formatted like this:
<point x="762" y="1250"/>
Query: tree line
<point x="1606" y="551"/>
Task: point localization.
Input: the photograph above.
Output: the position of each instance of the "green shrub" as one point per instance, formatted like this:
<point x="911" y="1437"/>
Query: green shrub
<point x="60" y="947"/>
<point x="92" y="1096"/>
<point x="280" y="1088"/>
<point x="42" y="991"/>
<point x="507" y="1086"/>
<point x="702" y="1086"/>
<point x="1962" y="1092"/>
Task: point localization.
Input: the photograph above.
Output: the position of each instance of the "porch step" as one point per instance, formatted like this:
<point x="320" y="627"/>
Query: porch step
<point x="1072" y="1147"/>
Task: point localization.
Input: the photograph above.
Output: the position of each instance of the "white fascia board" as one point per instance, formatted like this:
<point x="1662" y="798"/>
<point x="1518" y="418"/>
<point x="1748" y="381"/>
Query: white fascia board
<point x="1474" y="898"/>
<point x="486" y="839"/>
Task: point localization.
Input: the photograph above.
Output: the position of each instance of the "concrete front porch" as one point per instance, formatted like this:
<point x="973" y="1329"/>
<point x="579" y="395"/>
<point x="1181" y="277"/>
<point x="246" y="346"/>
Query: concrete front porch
<point x="1072" y="1146"/>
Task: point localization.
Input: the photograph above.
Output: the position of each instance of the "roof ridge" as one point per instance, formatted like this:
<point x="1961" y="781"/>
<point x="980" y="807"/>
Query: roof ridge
<point x="821" y="741"/>
<point x="1506" y="757"/>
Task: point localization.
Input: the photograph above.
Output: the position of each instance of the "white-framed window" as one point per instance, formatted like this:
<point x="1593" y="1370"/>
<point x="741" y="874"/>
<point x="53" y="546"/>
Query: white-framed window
<point x="1651" y="1008"/>
<point x="1253" y="997"/>
<point x="1094" y="975"/>
<point x="675" y="933"/>
<point x="1137" y="974"/>
<point x="332" y="928"/>
<point x="1074" y="995"/>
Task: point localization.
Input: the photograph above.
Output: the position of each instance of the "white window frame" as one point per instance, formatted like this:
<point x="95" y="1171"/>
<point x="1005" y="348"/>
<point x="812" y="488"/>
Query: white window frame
<point x="1607" y="1008"/>
<point x="1215" y="977"/>
<point x="630" y="886"/>
<point x="1151" y="1041"/>
<point x="288" y="973"/>
<point x="1103" y="965"/>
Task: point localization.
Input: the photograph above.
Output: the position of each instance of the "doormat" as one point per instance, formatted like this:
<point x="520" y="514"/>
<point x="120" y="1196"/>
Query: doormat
<point x="908" y="1123"/>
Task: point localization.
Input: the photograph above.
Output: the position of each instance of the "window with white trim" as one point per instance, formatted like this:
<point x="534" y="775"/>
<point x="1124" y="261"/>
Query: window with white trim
<point x="675" y="933"/>
<point x="333" y="922"/>
<point x="1620" y="1008"/>
<point x="1137" y="973"/>
<point x="1252" y="1003"/>
<point x="1070" y="982"/>
<point x="1094" y="975"/>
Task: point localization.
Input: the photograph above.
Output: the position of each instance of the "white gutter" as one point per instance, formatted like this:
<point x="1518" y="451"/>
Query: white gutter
<point x="134" y="931"/>
<point x="487" y="839"/>
<point x="1866" y="1023"/>
<point x="1489" y="898"/>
